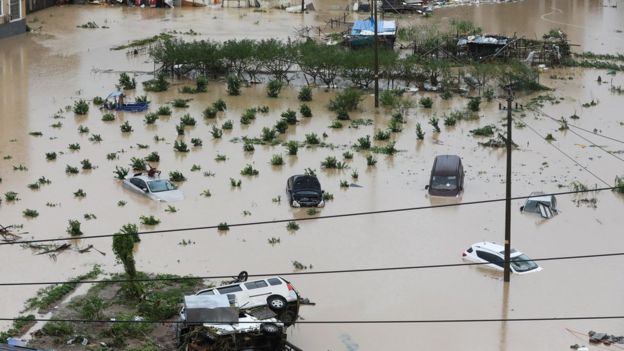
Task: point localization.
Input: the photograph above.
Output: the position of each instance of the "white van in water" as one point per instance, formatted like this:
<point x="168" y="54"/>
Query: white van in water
<point x="274" y="292"/>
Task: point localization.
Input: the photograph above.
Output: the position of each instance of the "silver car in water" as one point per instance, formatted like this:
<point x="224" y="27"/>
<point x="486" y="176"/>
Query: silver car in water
<point x="155" y="188"/>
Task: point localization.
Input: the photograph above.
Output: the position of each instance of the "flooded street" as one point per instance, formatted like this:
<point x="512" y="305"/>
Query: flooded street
<point x="44" y="71"/>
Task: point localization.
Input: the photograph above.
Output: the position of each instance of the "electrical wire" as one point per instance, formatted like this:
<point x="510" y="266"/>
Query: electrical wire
<point x="565" y="154"/>
<point x="583" y="129"/>
<point x="389" y="321"/>
<point x="582" y="137"/>
<point x="336" y="271"/>
<point x="341" y="215"/>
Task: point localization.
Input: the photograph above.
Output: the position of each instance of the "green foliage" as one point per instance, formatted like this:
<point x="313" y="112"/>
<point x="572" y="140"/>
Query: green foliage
<point x="381" y="135"/>
<point x="488" y="94"/>
<point x="120" y="172"/>
<point x="126" y="127"/>
<point x="274" y="87"/>
<point x="485" y="131"/>
<point x="474" y="104"/>
<point x="50" y="156"/>
<point x="11" y="196"/>
<point x="248" y="170"/>
<point x="149" y="220"/>
<point x="86" y="164"/>
<point x="426" y="102"/>
<point x="223" y="226"/>
<point x="281" y="126"/>
<point x="92" y="308"/>
<point x="277" y="160"/>
<point x="180" y="103"/>
<point x="96" y="138"/>
<point x="187" y="120"/>
<point x="80" y="193"/>
<point x="293" y="147"/>
<point x="164" y="110"/>
<point x="364" y="143"/>
<point x="233" y="85"/>
<point x="30" y="213"/>
<point x="153" y="157"/>
<point x="348" y="155"/>
<point x="58" y="329"/>
<point x="138" y="164"/>
<point x="74" y="147"/>
<point x="71" y="170"/>
<point x="227" y="125"/>
<point x="126" y="82"/>
<point x="289" y="116"/>
<point x="82" y="129"/>
<point x="216" y="132"/>
<point x="219" y="105"/>
<point x="97" y="101"/>
<point x="346" y="100"/>
<point x="344" y="184"/>
<point x="197" y="142"/>
<point x="108" y="117"/>
<point x="248" y="116"/>
<point x="210" y="112"/>
<point x="151" y="117"/>
<point x="156" y="85"/>
<point x="195" y="168"/>
<point x="220" y="157"/>
<point x="305" y="110"/>
<point x="342" y="115"/>
<point x="305" y="94"/>
<point x="331" y="162"/>
<point x="81" y="107"/>
<point x="619" y="184"/>
<point x="235" y="183"/>
<point x="176" y="176"/>
<point x="123" y="247"/>
<point x="292" y="226"/>
<point x="549" y="137"/>
<point x="336" y="125"/>
<point x="312" y="139"/>
<point x="201" y="84"/>
<point x="73" y="228"/>
<point x="434" y="121"/>
<point x="371" y="160"/>
<point x="180" y="146"/>
<point x="389" y="98"/>
<point x="248" y="147"/>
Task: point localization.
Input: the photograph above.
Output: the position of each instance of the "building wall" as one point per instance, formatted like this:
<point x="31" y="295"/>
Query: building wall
<point x="12" y="25"/>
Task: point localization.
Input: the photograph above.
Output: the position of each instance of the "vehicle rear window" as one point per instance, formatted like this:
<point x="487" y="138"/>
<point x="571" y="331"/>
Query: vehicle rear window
<point x="256" y="285"/>
<point x="209" y="292"/>
<point x="274" y="281"/>
<point x="229" y="289"/>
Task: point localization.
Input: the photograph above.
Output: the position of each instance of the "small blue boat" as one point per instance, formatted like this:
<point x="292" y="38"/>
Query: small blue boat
<point x="117" y="103"/>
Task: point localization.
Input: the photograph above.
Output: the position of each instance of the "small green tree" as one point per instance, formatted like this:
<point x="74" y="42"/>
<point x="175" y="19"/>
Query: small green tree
<point x="123" y="247"/>
<point x="233" y="85"/>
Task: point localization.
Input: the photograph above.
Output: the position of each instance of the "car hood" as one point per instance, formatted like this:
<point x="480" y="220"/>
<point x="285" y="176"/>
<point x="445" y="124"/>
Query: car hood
<point x="169" y="196"/>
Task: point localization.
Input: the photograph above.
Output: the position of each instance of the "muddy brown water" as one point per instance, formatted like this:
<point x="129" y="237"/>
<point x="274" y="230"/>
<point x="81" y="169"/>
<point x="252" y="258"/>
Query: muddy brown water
<point x="51" y="68"/>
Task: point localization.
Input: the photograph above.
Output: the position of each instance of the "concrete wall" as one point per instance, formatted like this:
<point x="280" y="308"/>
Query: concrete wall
<point x="8" y="28"/>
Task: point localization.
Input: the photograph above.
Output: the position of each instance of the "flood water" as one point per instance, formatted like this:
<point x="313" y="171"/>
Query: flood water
<point x="47" y="70"/>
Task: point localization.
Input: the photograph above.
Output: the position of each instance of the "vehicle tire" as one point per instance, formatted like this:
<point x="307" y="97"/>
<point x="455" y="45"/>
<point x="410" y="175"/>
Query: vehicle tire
<point x="277" y="303"/>
<point x="270" y="329"/>
<point x="242" y="276"/>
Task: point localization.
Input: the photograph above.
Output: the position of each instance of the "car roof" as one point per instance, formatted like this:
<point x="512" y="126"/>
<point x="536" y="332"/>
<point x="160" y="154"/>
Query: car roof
<point x="494" y="247"/>
<point x="239" y="283"/>
<point x="145" y="178"/>
<point x="446" y="164"/>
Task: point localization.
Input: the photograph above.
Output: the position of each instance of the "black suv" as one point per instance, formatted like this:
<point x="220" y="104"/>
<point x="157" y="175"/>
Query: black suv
<point x="447" y="176"/>
<point x="304" y="191"/>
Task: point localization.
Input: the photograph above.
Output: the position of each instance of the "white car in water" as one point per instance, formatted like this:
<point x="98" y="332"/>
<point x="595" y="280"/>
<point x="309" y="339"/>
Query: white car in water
<point x="155" y="188"/>
<point x="493" y="255"/>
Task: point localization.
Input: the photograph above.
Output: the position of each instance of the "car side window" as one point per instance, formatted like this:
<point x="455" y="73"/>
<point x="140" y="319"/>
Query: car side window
<point x="256" y="285"/>
<point x="274" y="281"/>
<point x="490" y="258"/>
<point x="139" y="183"/>
<point x="209" y="292"/>
<point x="229" y="289"/>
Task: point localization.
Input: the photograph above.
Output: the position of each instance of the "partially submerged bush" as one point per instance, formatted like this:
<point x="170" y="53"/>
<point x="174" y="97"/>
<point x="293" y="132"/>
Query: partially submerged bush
<point x="331" y="162"/>
<point x="125" y="82"/>
<point x="305" y="110"/>
<point x="149" y="220"/>
<point x="176" y="176"/>
<point x="156" y="85"/>
<point x="305" y="94"/>
<point x="216" y="132"/>
<point x="126" y="127"/>
<point x="426" y="102"/>
<point x="312" y="139"/>
<point x="121" y="172"/>
<point x="277" y="160"/>
<point x="274" y="87"/>
<point x="290" y="116"/>
<point x="347" y="100"/>
<point x="164" y="111"/>
<point x="434" y="121"/>
<point x="180" y="103"/>
<point x="81" y="107"/>
<point x="248" y="170"/>
<point x="180" y="146"/>
<point x="364" y="143"/>
<point x="483" y="131"/>
<point x="73" y="228"/>
<point x="233" y="85"/>
<point x="292" y="147"/>
<point x="381" y="135"/>
<point x="474" y="104"/>
<point x="138" y="164"/>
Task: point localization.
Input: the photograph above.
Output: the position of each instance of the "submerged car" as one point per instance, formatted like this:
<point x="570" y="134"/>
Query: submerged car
<point x="447" y="176"/>
<point x="538" y="202"/>
<point x="155" y="188"/>
<point x="493" y="255"/>
<point x="304" y="191"/>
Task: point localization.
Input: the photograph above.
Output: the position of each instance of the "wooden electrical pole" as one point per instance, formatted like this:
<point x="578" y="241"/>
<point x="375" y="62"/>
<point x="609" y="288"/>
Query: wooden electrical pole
<point x="376" y="48"/>
<point x="507" y="268"/>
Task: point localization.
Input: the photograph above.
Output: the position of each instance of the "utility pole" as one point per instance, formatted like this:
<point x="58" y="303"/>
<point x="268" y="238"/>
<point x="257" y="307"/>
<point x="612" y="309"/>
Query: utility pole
<point x="302" y="6"/>
<point x="507" y="268"/>
<point x="376" y="48"/>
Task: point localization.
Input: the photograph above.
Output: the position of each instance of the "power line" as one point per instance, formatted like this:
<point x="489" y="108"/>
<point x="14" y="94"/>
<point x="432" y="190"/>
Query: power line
<point x="336" y="271"/>
<point x="389" y="321"/>
<point x="565" y="154"/>
<point x="583" y="129"/>
<point x="341" y="215"/>
<point x="584" y="138"/>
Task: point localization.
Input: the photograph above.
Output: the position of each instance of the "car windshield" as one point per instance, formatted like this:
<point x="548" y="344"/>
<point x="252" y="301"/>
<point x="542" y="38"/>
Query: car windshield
<point x="523" y="263"/>
<point x="444" y="182"/>
<point x="306" y="182"/>
<point x="157" y="186"/>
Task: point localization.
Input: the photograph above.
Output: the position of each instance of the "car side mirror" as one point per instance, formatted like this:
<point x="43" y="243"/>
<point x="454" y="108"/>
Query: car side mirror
<point x="427" y="187"/>
<point x="521" y="208"/>
<point x="144" y="189"/>
<point x="322" y="191"/>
